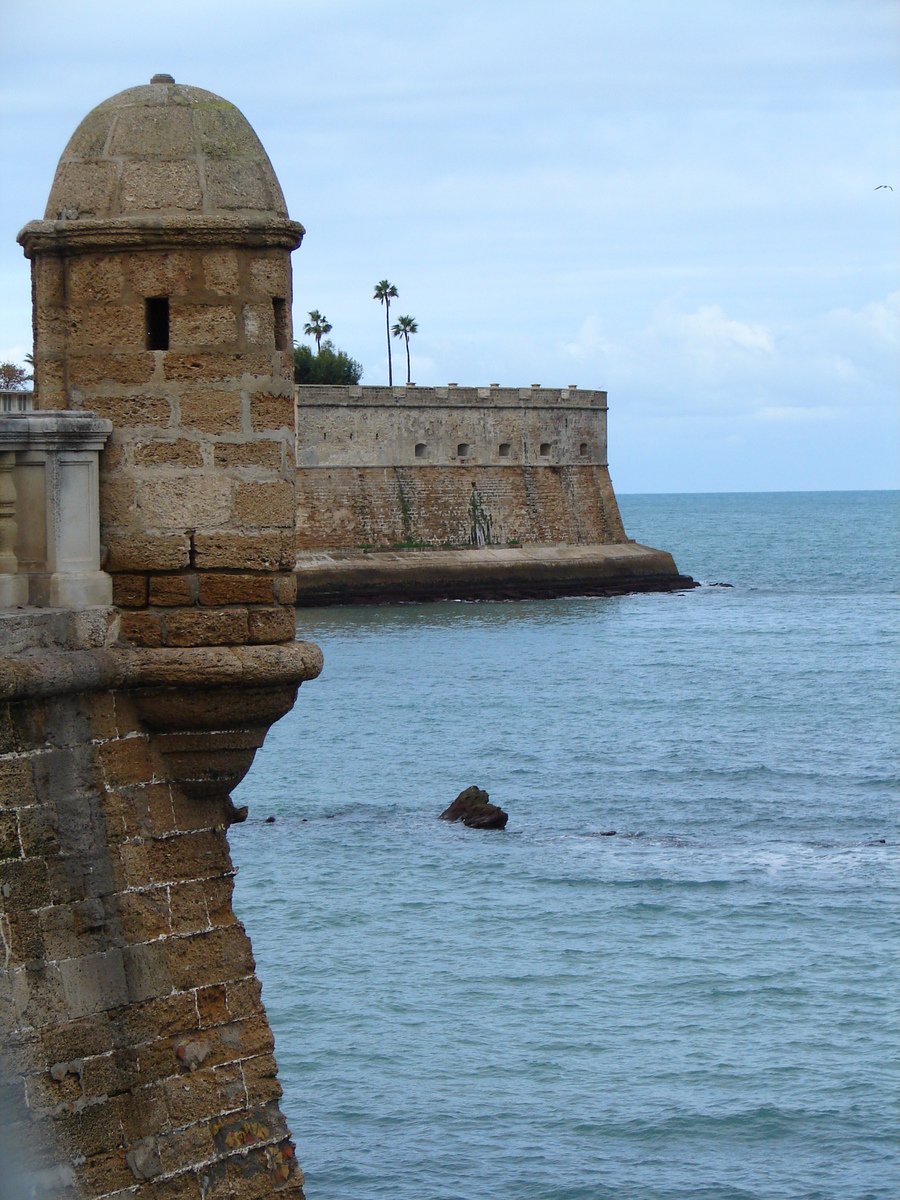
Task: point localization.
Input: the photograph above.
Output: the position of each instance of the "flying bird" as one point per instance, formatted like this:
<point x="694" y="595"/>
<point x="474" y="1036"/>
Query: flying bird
<point x="883" y="185"/>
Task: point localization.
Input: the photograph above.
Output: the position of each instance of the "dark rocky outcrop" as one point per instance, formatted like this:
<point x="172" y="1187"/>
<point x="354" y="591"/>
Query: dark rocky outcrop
<point x="473" y="807"/>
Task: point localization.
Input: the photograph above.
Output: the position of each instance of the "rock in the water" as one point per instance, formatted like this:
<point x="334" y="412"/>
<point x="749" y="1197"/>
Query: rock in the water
<point x="474" y="809"/>
<point x="269" y="821"/>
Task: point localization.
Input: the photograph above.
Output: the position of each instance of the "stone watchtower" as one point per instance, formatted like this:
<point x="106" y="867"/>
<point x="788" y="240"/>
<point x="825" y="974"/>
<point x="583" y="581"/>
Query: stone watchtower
<point x="136" y="1054"/>
<point x="162" y="301"/>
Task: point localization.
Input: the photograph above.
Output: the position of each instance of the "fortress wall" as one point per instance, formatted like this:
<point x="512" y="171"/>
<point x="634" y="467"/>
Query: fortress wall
<point x="382" y="427"/>
<point x="138" y="1059"/>
<point x="452" y="466"/>
<point x="349" y="508"/>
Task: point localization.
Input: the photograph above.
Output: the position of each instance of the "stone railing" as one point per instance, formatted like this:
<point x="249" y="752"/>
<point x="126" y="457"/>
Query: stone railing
<point x="12" y="400"/>
<point x="49" y="510"/>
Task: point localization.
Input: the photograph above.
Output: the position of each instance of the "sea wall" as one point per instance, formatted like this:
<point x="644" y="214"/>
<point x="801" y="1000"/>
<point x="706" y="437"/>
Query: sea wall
<point x="412" y="493"/>
<point x="137" y="1057"/>
<point x="378" y="507"/>
<point x="408" y="466"/>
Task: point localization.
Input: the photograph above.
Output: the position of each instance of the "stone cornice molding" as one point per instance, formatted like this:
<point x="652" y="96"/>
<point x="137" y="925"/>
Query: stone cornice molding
<point x="53" y="430"/>
<point x="44" y="673"/>
<point x="89" y="235"/>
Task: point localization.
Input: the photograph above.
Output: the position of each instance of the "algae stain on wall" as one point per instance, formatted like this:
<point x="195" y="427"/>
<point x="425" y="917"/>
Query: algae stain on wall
<point x="479" y="520"/>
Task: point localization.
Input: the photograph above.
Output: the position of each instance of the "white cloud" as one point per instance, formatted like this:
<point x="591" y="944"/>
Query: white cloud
<point x="711" y="332"/>
<point x="590" y="342"/>
<point x="877" y="322"/>
<point x="712" y="346"/>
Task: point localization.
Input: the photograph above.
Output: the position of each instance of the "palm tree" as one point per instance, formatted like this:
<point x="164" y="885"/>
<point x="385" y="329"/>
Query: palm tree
<point x="317" y="326"/>
<point x="386" y="292"/>
<point x="403" y="328"/>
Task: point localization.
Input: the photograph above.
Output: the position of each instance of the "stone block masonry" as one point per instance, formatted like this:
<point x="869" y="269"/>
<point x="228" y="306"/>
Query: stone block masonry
<point x="508" y="489"/>
<point x="168" y="315"/>
<point x="389" y="467"/>
<point x="371" y="508"/>
<point x="202" y="445"/>
<point x="139" y="1061"/>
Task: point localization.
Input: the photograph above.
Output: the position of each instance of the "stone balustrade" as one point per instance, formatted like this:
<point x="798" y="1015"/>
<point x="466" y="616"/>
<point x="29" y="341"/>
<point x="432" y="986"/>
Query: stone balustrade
<point x="14" y="400"/>
<point x="49" y="510"/>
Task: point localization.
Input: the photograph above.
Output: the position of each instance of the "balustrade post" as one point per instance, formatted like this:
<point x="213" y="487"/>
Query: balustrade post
<point x="13" y="586"/>
<point x="49" y="510"/>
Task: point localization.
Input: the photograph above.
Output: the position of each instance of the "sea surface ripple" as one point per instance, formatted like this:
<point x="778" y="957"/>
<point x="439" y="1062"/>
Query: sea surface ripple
<point x="675" y="976"/>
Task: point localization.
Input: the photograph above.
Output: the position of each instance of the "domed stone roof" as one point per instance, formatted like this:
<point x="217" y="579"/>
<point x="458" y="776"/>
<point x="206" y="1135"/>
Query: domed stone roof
<point x="165" y="151"/>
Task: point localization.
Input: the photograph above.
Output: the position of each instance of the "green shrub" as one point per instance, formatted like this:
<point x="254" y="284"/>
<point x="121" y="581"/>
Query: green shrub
<point x="330" y="365"/>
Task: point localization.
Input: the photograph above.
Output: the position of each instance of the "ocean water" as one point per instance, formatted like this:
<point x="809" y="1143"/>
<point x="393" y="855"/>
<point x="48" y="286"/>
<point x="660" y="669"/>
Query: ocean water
<point x="704" y="1005"/>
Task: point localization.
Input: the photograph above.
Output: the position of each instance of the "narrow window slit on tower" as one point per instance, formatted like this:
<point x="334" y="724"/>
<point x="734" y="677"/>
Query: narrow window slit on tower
<point x="279" y="311"/>
<point x="156" y="322"/>
<point x="504" y="450"/>
<point x="420" y="449"/>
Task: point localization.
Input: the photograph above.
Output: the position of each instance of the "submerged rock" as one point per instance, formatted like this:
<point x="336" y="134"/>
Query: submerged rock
<point x="473" y="807"/>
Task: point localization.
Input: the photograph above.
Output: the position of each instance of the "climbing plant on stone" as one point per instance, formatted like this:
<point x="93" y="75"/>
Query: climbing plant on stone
<point x="480" y="520"/>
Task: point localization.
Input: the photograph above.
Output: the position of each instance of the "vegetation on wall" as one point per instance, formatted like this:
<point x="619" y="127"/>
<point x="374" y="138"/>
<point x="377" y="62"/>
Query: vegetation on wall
<point x="480" y="520"/>
<point x="330" y="365"/>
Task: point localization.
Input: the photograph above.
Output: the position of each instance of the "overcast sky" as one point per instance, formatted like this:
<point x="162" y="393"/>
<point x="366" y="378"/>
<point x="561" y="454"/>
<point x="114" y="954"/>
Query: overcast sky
<point x="674" y="200"/>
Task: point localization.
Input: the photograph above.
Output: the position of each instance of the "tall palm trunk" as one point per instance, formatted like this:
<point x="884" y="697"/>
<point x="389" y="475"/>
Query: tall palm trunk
<point x="408" y="371"/>
<point x="387" y="328"/>
<point x="384" y="293"/>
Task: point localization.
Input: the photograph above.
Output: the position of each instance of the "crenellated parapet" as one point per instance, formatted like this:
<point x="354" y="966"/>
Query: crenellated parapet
<point x="450" y="426"/>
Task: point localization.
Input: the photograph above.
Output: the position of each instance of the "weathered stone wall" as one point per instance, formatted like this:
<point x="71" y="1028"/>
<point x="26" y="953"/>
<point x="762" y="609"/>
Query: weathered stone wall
<point x="140" y="1059"/>
<point x="352" y="508"/>
<point x="197" y="480"/>
<point x="449" y="426"/>
<point x="452" y="467"/>
<point x="138" y="1056"/>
